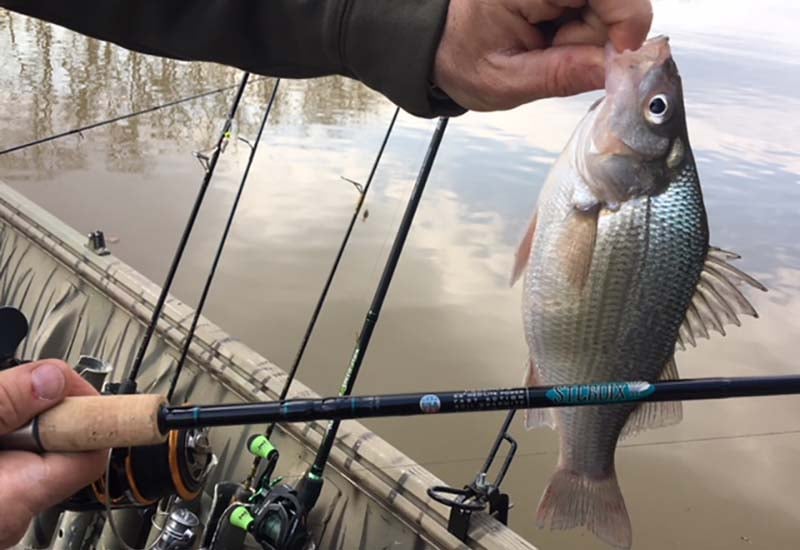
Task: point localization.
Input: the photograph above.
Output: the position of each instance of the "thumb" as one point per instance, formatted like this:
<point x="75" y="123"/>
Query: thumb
<point x="553" y="72"/>
<point x="30" y="389"/>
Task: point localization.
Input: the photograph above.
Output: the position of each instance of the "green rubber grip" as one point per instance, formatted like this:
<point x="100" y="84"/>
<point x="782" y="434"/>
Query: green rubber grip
<point x="241" y="518"/>
<point x="260" y="446"/>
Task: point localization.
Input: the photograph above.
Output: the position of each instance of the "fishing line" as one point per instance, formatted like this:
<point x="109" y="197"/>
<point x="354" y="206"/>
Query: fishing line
<point x="121" y="118"/>
<point x="201" y="303"/>
<point x="130" y="385"/>
<point x="363" y="190"/>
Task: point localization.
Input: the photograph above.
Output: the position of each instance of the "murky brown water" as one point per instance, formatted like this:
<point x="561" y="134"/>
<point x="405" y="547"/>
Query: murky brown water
<point x="724" y="478"/>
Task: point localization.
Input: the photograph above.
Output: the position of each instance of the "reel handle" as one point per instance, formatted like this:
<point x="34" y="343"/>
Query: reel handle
<point x="91" y="423"/>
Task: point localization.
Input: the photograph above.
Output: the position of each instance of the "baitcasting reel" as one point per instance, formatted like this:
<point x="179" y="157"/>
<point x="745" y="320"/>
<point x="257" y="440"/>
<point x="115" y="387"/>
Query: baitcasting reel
<point x="277" y="522"/>
<point x="273" y="515"/>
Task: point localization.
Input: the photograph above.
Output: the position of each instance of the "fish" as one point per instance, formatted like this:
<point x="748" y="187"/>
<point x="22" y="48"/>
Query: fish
<point x="617" y="274"/>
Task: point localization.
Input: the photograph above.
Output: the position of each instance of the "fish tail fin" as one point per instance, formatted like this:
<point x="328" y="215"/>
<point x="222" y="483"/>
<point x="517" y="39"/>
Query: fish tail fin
<point x="573" y="499"/>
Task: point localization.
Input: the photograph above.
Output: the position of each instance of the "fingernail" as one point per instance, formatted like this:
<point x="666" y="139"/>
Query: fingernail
<point x="48" y="382"/>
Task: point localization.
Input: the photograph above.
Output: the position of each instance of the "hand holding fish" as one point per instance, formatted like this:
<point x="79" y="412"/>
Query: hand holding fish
<point x="30" y="483"/>
<point x="499" y="54"/>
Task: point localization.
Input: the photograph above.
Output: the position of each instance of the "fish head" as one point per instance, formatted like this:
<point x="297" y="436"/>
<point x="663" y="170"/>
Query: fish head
<point x="638" y="140"/>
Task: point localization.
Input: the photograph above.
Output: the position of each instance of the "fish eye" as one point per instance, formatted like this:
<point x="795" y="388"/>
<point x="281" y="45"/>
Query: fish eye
<point x="657" y="109"/>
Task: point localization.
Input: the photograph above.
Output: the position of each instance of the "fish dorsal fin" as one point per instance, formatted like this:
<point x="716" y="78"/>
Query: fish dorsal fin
<point x="717" y="300"/>
<point x="655" y="414"/>
<point x="523" y="251"/>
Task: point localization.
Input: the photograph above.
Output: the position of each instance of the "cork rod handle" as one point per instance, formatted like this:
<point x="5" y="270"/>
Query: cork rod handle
<point x="101" y="422"/>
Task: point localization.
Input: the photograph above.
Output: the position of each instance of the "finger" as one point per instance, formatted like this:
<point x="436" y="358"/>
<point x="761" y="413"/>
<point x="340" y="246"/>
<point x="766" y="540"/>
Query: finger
<point x="590" y="29"/>
<point x="536" y="11"/>
<point x="30" y="389"/>
<point x="27" y="390"/>
<point x="34" y="483"/>
<point x="628" y="21"/>
<point x="554" y="72"/>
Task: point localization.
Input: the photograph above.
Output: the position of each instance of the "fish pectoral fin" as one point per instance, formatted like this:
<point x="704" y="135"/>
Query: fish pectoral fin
<point x="577" y="243"/>
<point x="536" y="418"/>
<point x="523" y="251"/>
<point x="655" y="414"/>
<point x="717" y="300"/>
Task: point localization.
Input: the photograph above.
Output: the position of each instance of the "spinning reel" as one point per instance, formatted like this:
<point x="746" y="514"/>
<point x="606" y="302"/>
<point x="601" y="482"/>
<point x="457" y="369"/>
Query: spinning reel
<point x="136" y="476"/>
<point x="141" y="476"/>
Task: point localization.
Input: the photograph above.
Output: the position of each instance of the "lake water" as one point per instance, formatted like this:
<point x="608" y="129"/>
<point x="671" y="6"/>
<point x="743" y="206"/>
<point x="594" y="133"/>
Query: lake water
<point x="724" y="478"/>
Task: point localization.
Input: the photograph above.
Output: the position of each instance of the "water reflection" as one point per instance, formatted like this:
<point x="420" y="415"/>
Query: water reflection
<point x="57" y="81"/>
<point x="450" y="320"/>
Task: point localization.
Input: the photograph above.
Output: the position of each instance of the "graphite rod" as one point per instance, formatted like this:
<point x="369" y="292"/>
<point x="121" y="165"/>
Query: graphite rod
<point x="412" y="404"/>
<point x="371" y="319"/>
<point x="312" y="323"/>
<point x="221" y="246"/>
<point x="334" y="268"/>
<point x="176" y="259"/>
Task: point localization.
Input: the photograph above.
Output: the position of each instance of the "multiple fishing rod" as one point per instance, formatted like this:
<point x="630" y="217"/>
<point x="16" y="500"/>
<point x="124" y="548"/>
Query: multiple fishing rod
<point x="129" y="386"/>
<point x="224" y="237"/>
<point x="310" y="485"/>
<point x="362" y="195"/>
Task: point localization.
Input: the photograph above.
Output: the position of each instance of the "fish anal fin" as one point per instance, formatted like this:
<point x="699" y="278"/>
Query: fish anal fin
<point x="577" y="244"/>
<point x="523" y="251"/>
<point x="717" y="300"/>
<point x="573" y="499"/>
<point x="536" y="418"/>
<point x="655" y="414"/>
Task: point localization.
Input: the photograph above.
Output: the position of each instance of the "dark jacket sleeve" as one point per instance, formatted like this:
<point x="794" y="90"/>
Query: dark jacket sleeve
<point x="389" y="45"/>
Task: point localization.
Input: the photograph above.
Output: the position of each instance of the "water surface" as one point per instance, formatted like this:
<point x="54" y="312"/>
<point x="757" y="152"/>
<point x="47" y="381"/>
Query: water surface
<point x="724" y="478"/>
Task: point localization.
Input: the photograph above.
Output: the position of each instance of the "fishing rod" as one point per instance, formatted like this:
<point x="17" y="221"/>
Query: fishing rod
<point x="137" y="478"/>
<point x="120" y="118"/>
<point x="129" y="386"/>
<point x="362" y="190"/>
<point x="263" y="497"/>
<point x="228" y="224"/>
<point x="276" y="513"/>
<point x="63" y="427"/>
<point x="310" y="485"/>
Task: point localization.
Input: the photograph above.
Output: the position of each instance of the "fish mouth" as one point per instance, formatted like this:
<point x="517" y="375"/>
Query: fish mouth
<point x="654" y="53"/>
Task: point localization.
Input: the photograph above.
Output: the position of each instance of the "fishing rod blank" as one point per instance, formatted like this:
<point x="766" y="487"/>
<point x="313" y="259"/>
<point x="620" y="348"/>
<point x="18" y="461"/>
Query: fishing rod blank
<point x="204" y="295"/>
<point x="539" y="397"/>
<point x="310" y="485"/>
<point x="334" y="268"/>
<point x="63" y="427"/>
<point x="130" y="385"/>
<point x="106" y="122"/>
<point x="327" y="286"/>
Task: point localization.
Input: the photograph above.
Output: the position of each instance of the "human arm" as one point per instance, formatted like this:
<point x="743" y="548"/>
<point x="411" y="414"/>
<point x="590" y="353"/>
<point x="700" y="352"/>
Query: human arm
<point x="484" y="54"/>
<point x="389" y="45"/>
